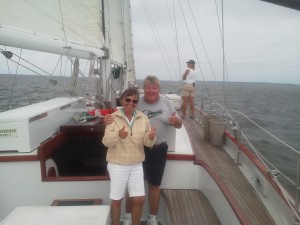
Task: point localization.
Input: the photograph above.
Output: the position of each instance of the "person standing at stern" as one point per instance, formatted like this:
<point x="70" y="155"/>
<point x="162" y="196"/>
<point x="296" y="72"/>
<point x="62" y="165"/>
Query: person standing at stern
<point x="188" y="92"/>
<point x="125" y="139"/>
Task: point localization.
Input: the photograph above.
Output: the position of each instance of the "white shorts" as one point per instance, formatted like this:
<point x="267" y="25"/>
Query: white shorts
<point x="121" y="176"/>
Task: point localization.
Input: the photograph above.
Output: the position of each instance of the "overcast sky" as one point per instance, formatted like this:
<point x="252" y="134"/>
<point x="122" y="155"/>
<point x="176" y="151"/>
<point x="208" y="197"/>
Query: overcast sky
<point x="262" y="40"/>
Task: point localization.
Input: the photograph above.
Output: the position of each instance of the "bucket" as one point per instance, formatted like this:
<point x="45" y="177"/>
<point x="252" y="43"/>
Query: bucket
<point x="217" y="128"/>
<point x="206" y="123"/>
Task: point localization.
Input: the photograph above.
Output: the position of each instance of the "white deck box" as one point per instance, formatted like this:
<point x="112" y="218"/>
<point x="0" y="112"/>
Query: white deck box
<point x="23" y="129"/>
<point x="175" y="100"/>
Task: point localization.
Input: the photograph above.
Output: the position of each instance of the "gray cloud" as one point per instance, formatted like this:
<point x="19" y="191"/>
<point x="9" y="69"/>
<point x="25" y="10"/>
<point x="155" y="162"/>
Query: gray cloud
<point x="262" y="40"/>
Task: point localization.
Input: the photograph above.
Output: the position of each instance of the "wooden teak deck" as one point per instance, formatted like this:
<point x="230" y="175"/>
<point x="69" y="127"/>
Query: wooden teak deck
<point x="190" y="207"/>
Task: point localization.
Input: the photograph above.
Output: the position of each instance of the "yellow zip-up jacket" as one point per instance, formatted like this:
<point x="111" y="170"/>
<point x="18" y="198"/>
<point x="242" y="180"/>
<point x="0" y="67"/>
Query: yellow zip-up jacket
<point x="130" y="150"/>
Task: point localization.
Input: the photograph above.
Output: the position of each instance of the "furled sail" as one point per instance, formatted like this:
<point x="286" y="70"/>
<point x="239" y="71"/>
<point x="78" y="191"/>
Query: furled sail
<point x="67" y="27"/>
<point x="119" y="27"/>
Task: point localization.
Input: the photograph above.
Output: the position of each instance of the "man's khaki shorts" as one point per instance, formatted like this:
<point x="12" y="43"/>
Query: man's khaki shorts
<point x="188" y="90"/>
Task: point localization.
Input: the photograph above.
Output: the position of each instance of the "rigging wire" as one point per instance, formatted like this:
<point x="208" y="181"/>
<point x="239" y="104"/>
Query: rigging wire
<point x="155" y="34"/>
<point x="221" y="35"/>
<point x="161" y="46"/>
<point x="176" y="41"/>
<point x="201" y="39"/>
<point x="262" y="159"/>
<point x="110" y="91"/>
<point x="14" y="82"/>
<point x="20" y="59"/>
<point x="65" y="36"/>
<point x="205" y="51"/>
<point x="260" y="156"/>
<point x="21" y="62"/>
<point x="190" y="36"/>
<point x="223" y="48"/>
<point x="121" y="78"/>
<point x="175" y="34"/>
<point x="66" y="45"/>
<point x="56" y="65"/>
<point x="62" y="23"/>
<point x="119" y="83"/>
<point x="62" y="73"/>
<point x="109" y="79"/>
<point x="158" y="39"/>
<point x="6" y="59"/>
<point x="225" y="71"/>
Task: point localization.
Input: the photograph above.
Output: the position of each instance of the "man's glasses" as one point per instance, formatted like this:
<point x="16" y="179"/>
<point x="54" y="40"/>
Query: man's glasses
<point x="131" y="100"/>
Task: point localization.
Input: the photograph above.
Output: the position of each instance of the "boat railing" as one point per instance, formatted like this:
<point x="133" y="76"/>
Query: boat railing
<point x="282" y="160"/>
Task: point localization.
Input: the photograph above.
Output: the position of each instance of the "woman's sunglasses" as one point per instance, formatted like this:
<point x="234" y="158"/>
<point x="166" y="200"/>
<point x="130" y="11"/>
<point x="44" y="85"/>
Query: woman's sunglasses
<point x="131" y="100"/>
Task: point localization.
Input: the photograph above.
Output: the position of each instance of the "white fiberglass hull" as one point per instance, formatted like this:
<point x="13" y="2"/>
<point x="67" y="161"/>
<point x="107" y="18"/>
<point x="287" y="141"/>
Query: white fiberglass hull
<point x="23" y="183"/>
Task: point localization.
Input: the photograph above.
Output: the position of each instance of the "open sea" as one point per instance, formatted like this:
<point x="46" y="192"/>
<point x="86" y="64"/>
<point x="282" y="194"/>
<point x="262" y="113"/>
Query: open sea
<point x="275" y="107"/>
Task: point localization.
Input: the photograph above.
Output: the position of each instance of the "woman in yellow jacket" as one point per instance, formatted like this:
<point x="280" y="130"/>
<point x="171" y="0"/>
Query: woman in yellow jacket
<point x="125" y="139"/>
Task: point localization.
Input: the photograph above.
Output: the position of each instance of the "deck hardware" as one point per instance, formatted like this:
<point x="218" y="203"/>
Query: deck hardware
<point x="257" y="181"/>
<point x="7" y="54"/>
<point x="274" y="173"/>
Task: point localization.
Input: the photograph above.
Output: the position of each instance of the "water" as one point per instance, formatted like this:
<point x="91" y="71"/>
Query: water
<point x="275" y="107"/>
<point x="26" y="89"/>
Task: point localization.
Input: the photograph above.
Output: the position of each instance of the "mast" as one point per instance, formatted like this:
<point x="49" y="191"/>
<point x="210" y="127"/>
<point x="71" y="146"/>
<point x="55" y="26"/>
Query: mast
<point x="130" y="69"/>
<point x="105" y="62"/>
<point x="118" y="48"/>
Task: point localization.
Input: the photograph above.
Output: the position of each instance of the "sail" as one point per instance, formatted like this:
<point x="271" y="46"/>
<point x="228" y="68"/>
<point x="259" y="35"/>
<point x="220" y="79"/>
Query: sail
<point x="121" y="50"/>
<point x="67" y="27"/>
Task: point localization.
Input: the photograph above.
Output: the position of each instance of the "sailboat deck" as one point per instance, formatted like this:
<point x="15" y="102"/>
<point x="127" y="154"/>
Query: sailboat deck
<point x="189" y="207"/>
<point x="222" y="164"/>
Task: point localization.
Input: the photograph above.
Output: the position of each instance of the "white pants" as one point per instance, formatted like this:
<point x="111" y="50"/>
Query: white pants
<point x="121" y="176"/>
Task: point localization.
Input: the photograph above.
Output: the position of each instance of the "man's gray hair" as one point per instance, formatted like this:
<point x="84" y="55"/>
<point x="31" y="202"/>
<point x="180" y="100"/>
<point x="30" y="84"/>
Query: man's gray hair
<point x="152" y="80"/>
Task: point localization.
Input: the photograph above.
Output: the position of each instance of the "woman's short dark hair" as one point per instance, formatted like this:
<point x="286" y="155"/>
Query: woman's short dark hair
<point x="132" y="91"/>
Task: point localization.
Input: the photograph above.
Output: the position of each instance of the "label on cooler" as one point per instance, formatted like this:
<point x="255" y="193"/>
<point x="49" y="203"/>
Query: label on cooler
<point x="8" y="133"/>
